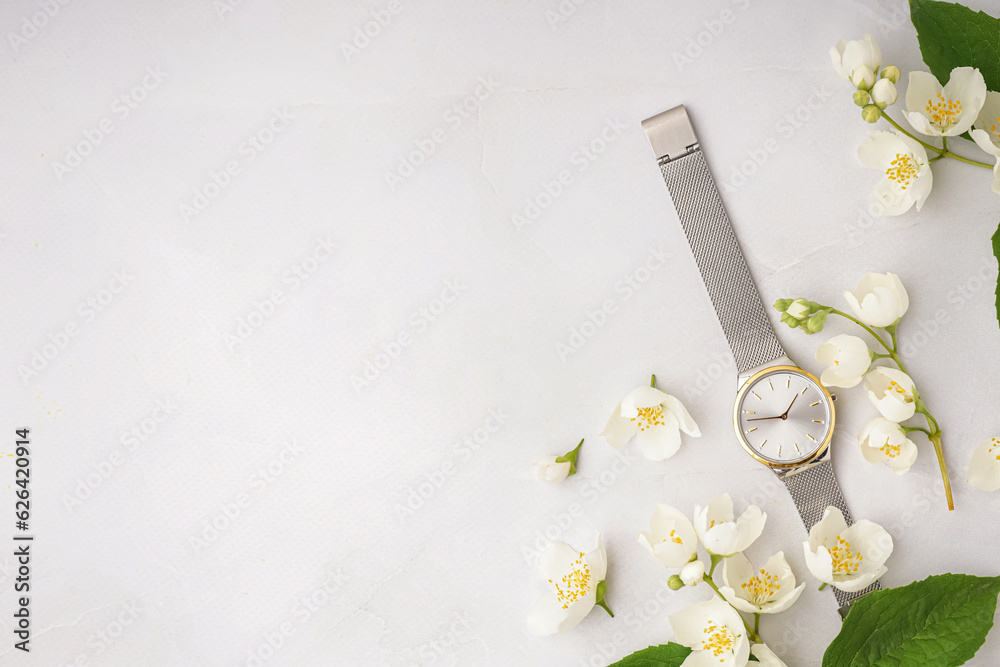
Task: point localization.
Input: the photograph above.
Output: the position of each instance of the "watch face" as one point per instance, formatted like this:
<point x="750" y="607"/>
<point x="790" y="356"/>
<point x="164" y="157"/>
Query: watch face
<point x="784" y="416"/>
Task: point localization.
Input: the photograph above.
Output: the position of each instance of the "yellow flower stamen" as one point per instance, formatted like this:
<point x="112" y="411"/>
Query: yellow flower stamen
<point x="994" y="129"/>
<point x="649" y="417"/>
<point x="674" y="538"/>
<point x="943" y="112"/>
<point x="719" y="640"/>
<point x="896" y="387"/>
<point x="575" y="584"/>
<point x="845" y="561"/>
<point x="902" y="170"/>
<point x="891" y="451"/>
<point x="759" y="589"/>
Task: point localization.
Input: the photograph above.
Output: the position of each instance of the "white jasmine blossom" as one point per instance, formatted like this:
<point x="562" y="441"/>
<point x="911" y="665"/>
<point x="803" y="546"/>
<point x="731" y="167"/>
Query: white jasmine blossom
<point x="671" y="539"/>
<point x="655" y="419"/>
<point x="576" y="579"/>
<point x="721" y="533"/>
<point x="847" y="359"/>
<point x="767" y="590"/>
<point x="907" y="177"/>
<point x="714" y="632"/>
<point x="848" y="558"/>
<point x="984" y="467"/>
<point x="945" y="111"/>
<point x="880" y="300"/>
<point x="892" y="393"/>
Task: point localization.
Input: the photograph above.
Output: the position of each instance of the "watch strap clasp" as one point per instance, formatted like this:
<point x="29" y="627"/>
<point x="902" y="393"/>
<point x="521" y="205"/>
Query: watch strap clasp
<point x="670" y="134"/>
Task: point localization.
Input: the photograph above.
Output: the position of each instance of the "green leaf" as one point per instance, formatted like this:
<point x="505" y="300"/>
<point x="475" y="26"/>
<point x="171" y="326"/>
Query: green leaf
<point x="938" y="622"/>
<point x="951" y="36"/>
<point x="996" y="253"/>
<point x="664" y="655"/>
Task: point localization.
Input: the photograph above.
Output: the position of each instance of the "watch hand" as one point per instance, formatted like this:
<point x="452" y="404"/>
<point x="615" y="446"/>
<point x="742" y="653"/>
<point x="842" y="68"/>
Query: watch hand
<point x="785" y="415"/>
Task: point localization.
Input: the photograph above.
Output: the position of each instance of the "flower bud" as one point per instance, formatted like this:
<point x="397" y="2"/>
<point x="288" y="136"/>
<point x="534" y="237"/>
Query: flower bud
<point x="863" y="77"/>
<point x="884" y="93"/>
<point x="799" y="309"/>
<point x="871" y="113"/>
<point x="816" y="322"/>
<point x="891" y="73"/>
<point x="675" y="583"/>
<point x="781" y="305"/>
<point x="692" y="573"/>
<point x="861" y="98"/>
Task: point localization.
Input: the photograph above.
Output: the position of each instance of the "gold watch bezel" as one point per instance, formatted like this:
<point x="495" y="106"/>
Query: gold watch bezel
<point x="750" y="449"/>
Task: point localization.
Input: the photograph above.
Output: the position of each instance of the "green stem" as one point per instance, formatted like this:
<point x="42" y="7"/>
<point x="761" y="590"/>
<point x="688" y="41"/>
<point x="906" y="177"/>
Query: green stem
<point x="892" y="332"/>
<point x="872" y="332"/>
<point x="753" y="633"/>
<point x="936" y="441"/>
<point x="715" y="561"/>
<point x="910" y="429"/>
<point x="822" y="586"/>
<point x="652" y="381"/>
<point x="944" y="144"/>
<point x="604" y="605"/>
<point x="756" y="624"/>
<point x="935" y="158"/>
<point x="919" y="141"/>
<point x="942" y="152"/>
<point x="922" y="409"/>
<point x="976" y="163"/>
<point x="935" y="437"/>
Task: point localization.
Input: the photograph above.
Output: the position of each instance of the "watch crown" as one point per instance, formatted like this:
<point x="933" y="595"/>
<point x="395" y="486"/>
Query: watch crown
<point x="833" y="397"/>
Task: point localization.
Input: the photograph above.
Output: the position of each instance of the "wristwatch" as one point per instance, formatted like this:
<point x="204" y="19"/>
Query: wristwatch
<point x="783" y="415"/>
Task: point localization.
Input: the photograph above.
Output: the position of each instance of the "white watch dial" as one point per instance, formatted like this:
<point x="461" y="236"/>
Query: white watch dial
<point x="784" y="416"/>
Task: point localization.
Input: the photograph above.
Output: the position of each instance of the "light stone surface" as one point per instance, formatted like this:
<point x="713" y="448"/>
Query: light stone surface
<point x="399" y="519"/>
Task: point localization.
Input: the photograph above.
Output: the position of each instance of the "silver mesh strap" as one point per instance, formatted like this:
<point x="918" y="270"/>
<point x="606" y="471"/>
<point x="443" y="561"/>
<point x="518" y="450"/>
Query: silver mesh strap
<point x="720" y="261"/>
<point x="716" y="250"/>
<point x="813" y="490"/>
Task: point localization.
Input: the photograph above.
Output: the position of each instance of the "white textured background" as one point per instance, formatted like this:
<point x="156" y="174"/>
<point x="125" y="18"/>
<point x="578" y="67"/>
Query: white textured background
<point x="386" y="533"/>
